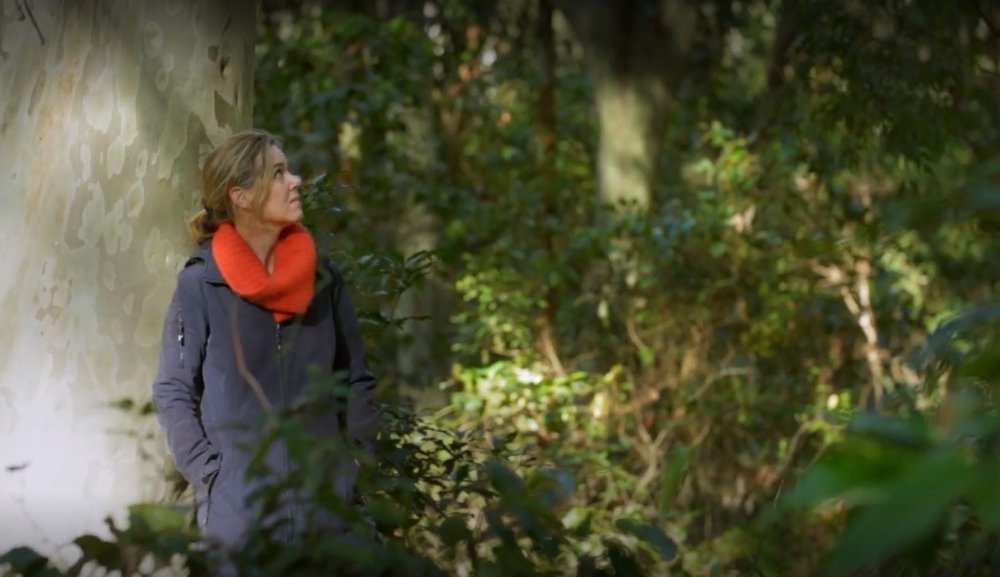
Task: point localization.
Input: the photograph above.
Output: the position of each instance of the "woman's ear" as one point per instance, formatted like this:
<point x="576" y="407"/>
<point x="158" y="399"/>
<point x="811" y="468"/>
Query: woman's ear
<point x="240" y="197"/>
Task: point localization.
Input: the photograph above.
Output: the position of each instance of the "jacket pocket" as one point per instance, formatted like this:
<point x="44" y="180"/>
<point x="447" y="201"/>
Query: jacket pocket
<point x="204" y="491"/>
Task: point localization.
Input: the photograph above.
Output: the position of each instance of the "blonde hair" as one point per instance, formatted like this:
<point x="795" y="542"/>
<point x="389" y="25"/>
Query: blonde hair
<point x="245" y="160"/>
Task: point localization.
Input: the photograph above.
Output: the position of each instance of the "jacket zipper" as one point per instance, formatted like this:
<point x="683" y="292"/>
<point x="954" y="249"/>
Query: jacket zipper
<point x="288" y="467"/>
<point x="180" y="337"/>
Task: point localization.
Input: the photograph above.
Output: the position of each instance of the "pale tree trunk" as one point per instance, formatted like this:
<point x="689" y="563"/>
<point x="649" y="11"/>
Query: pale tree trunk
<point x="106" y="110"/>
<point x="636" y="50"/>
<point x="419" y="356"/>
<point x="631" y="128"/>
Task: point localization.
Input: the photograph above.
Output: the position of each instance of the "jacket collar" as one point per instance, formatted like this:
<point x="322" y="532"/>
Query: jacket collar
<point x="211" y="274"/>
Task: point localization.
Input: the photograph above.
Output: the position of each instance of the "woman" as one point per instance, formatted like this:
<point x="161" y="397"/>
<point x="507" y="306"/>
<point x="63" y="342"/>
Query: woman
<point x="254" y="318"/>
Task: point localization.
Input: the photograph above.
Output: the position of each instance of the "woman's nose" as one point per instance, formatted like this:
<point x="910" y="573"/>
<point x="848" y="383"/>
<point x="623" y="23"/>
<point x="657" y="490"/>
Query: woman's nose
<point x="296" y="181"/>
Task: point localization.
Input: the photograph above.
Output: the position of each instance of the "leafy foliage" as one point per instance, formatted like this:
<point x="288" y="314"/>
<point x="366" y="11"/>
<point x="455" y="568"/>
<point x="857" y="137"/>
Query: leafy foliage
<point x="785" y="364"/>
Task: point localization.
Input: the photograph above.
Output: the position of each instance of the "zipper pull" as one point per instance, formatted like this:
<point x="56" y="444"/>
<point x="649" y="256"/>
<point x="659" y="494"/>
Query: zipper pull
<point x="180" y="338"/>
<point x="277" y="332"/>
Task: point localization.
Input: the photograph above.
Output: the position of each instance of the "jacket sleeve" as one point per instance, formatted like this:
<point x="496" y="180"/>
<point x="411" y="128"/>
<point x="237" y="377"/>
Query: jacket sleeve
<point x="362" y="417"/>
<point x="178" y="386"/>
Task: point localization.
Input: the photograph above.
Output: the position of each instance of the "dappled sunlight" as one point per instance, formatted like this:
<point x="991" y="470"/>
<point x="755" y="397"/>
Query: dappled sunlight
<point x="702" y="288"/>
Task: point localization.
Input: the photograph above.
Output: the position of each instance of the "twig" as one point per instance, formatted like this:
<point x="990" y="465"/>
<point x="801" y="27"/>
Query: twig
<point x="786" y="463"/>
<point x="46" y="540"/>
<point x="861" y="309"/>
<point x="633" y="334"/>
<point x="27" y="8"/>
<point x="867" y="323"/>
<point x="781" y="475"/>
<point x="730" y="372"/>
<point x="649" y="454"/>
<point x="549" y="349"/>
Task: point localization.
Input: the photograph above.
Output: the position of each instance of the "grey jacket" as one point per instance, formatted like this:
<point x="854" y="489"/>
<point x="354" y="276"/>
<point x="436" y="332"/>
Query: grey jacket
<point x="210" y="412"/>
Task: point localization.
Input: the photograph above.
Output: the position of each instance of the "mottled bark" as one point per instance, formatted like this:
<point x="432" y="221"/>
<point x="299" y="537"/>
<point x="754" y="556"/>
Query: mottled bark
<point x="102" y="128"/>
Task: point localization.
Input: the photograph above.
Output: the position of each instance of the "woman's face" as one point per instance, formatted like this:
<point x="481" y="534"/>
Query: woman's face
<point x="282" y="206"/>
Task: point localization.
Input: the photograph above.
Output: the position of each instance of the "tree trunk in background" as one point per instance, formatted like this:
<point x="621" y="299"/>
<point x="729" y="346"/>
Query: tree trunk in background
<point x="635" y="48"/>
<point x="423" y="344"/>
<point x="546" y="127"/>
<point x="106" y="110"/>
<point x="423" y="353"/>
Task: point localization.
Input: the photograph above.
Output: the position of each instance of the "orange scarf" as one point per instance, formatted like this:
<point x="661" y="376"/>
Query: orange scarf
<point x="288" y="291"/>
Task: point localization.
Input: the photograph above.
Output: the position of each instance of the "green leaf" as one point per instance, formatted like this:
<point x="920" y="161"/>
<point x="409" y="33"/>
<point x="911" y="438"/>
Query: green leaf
<point x="912" y="509"/>
<point x="985" y="496"/>
<point x="387" y="513"/>
<point x="504" y="480"/>
<point x="623" y="561"/>
<point x="511" y="560"/>
<point x="160" y="518"/>
<point x="105" y="554"/>
<point x="671" y="481"/>
<point x="24" y="561"/>
<point x="453" y="530"/>
<point x="650" y="534"/>
<point x="489" y="569"/>
<point x="908" y="433"/>
<point x="124" y="404"/>
<point x="646" y="356"/>
<point x="856" y="471"/>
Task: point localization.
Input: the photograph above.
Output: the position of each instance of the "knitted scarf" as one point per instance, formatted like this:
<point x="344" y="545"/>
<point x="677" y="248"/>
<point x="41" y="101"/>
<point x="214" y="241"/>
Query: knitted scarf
<point x="288" y="291"/>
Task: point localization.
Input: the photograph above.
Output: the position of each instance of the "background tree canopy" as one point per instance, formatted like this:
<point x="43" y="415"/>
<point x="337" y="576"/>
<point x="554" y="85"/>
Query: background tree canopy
<point x="672" y="287"/>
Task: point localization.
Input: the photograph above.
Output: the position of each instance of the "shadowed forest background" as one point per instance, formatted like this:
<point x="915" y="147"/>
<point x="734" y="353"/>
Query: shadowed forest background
<point x="650" y="287"/>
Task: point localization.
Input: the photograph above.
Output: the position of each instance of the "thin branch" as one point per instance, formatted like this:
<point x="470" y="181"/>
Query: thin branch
<point x="859" y="304"/>
<point x="650" y="454"/>
<point x="730" y="372"/>
<point x="786" y="463"/>
<point x="633" y="334"/>
<point x="31" y="16"/>
<point x="549" y="350"/>
<point x="867" y="323"/>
